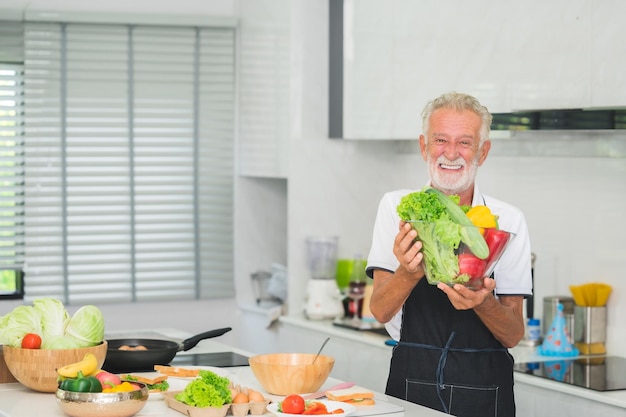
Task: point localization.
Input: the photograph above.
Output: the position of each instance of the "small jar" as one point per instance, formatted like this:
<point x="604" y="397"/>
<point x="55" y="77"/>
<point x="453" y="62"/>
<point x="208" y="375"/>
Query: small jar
<point x="534" y="330"/>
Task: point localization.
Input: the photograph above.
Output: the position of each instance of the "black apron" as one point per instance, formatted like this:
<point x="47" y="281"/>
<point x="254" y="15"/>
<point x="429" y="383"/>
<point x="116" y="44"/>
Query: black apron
<point x="448" y="360"/>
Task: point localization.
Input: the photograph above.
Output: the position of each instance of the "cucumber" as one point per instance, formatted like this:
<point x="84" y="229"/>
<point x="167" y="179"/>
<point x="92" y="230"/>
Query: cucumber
<point x="469" y="235"/>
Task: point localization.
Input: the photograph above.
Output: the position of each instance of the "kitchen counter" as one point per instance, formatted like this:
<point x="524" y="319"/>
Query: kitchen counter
<point x="376" y="344"/>
<point x="19" y="401"/>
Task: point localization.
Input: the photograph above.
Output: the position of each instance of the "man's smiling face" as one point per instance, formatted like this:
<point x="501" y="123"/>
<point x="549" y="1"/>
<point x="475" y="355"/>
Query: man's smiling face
<point x="452" y="149"/>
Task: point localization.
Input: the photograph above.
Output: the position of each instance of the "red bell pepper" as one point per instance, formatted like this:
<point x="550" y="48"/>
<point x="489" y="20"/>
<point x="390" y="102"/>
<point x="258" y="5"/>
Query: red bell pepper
<point x="471" y="266"/>
<point x="496" y="241"/>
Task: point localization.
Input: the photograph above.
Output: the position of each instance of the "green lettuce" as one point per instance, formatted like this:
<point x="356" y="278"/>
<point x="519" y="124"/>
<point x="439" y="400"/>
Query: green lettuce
<point x="439" y="234"/>
<point x="208" y="390"/>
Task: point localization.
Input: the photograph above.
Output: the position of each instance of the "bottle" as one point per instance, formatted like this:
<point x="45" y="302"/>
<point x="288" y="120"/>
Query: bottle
<point x="534" y="330"/>
<point x="356" y="289"/>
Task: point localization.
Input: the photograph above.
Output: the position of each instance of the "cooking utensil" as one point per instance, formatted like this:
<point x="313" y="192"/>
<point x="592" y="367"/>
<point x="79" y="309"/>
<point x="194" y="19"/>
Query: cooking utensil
<point x="157" y="352"/>
<point x="320" y="351"/>
<point x="320" y="394"/>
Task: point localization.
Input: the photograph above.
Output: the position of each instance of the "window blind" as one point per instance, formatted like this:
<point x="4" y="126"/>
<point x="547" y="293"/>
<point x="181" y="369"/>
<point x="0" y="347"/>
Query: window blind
<point x="11" y="167"/>
<point x="129" y="162"/>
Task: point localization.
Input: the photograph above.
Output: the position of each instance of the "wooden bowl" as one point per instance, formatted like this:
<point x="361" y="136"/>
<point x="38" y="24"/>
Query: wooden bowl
<point x="36" y="368"/>
<point x="291" y="373"/>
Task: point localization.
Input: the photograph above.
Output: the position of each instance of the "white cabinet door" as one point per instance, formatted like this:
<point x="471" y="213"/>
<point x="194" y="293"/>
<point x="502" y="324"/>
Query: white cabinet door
<point x="608" y="57"/>
<point x="551" y="53"/>
<point x="401" y="53"/>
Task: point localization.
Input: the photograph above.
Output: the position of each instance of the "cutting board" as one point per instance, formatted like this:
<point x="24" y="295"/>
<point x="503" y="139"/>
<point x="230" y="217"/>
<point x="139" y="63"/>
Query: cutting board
<point x="381" y="407"/>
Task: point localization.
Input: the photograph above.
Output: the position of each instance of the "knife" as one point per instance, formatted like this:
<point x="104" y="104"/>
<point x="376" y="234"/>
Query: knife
<point x="320" y="394"/>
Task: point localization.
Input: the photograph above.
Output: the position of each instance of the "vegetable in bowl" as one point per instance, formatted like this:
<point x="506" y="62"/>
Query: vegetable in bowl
<point x="456" y="250"/>
<point x="49" y="319"/>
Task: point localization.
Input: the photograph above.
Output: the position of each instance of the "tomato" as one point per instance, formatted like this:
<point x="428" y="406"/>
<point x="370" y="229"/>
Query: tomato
<point x="31" y="341"/>
<point x="315" y="408"/>
<point x="472" y="266"/>
<point x="496" y="241"/>
<point x="293" y="404"/>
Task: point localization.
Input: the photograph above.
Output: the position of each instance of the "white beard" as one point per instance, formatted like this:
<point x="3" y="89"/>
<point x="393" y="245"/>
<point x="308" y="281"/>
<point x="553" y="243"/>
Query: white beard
<point x="452" y="181"/>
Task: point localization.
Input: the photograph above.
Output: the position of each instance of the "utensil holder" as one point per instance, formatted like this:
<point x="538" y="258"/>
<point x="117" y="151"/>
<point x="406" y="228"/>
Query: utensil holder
<point x="589" y="324"/>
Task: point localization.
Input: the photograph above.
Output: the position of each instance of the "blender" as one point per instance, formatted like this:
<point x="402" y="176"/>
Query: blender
<point x="323" y="299"/>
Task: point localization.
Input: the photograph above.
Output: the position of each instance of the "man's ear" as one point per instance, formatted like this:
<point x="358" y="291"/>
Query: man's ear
<point x="484" y="151"/>
<point x="423" y="146"/>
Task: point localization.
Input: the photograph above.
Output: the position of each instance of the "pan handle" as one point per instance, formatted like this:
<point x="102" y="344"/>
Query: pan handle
<point x="193" y="340"/>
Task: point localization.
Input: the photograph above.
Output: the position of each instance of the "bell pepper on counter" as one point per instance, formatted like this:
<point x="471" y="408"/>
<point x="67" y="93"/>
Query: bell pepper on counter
<point x="123" y="387"/>
<point x="81" y="384"/>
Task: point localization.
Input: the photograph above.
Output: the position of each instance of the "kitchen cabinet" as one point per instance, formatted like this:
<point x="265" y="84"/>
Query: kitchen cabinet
<point x="399" y="56"/>
<point x="551" y="51"/>
<point x="538" y="401"/>
<point x="608" y="52"/>
<point x="513" y="56"/>
<point x="350" y="348"/>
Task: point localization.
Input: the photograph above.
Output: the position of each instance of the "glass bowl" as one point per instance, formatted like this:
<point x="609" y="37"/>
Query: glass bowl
<point x="448" y="259"/>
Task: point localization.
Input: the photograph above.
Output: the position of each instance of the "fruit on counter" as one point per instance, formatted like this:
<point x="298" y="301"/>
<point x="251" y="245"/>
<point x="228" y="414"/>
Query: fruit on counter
<point x="124" y="386"/>
<point x="31" y="341"/>
<point x="86" y="366"/>
<point x="81" y="383"/>
<point x="293" y="404"/>
<point x="107" y="379"/>
<point x="49" y="319"/>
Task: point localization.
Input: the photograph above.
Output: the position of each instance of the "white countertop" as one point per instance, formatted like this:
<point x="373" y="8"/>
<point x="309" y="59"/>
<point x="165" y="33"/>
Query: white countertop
<point x="18" y="401"/>
<point x="520" y="353"/>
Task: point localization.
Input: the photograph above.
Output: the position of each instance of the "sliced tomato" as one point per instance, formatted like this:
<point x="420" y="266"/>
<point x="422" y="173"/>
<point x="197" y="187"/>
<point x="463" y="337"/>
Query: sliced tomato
<point x="471" y="266"/>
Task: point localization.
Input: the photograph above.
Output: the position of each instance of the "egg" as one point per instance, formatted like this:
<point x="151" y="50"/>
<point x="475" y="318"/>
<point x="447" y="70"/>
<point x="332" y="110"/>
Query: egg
<point x="255" y="396"/>
<point x="233" y="392"/>
<point x="240" y="398"/>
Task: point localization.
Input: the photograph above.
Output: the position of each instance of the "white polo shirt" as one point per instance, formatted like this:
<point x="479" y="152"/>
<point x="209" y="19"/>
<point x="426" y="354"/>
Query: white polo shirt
<point x="512" y="272"/>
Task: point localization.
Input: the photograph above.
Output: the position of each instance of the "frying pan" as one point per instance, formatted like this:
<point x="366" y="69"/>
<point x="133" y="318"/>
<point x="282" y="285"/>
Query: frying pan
<point x="158" y="352"/>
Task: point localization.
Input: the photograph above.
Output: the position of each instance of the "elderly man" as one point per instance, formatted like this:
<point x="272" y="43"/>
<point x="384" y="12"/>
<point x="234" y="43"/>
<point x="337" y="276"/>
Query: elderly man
<point x="452" y="341"/>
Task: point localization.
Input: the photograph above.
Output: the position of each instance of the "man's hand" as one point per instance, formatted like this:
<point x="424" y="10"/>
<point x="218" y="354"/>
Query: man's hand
<point x="502" y="316"/>
<point x="407" y="250"/>
<point x="463" y="298"/>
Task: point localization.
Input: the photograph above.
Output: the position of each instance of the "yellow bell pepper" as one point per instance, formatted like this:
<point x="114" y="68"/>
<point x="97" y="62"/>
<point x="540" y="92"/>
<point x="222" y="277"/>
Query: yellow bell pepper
<point x="482" y="218"/>
<point x="123" y="387"/>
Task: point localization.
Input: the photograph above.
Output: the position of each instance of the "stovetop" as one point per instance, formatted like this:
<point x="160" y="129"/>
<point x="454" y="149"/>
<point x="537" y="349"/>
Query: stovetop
<point x="600" y="373"/>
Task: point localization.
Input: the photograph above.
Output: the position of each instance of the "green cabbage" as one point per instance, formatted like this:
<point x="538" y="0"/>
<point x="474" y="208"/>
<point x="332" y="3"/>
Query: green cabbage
<point x="54" y="317"/>
<point x="48" y="318"/>
<point x="13" y="326"/>
<point x="86" y="326"/>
